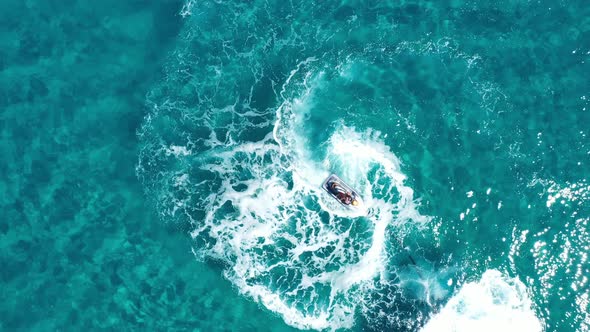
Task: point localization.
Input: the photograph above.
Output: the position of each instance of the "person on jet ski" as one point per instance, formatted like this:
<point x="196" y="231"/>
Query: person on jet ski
<point x="344" y="197"/>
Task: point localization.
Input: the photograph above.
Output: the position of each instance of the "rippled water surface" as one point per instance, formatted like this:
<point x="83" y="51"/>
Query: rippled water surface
<point x="163" y="161"/>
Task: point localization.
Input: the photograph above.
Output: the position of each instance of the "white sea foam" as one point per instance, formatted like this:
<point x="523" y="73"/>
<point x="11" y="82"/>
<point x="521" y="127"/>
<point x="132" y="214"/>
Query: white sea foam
<point x="288" y="244"/>
<point x="178" y="151"/>
<point x="285" y="242"/>
<point x="495" y="303"/>
<point x="266" y="210"/>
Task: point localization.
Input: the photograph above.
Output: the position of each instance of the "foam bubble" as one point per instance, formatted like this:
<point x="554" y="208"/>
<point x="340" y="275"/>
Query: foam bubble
<point x="177" y="150"/>
<point x="495" y="303"/>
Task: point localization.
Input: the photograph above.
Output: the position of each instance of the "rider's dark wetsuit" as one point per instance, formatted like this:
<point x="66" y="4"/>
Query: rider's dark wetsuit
<point x="342" y="195"/>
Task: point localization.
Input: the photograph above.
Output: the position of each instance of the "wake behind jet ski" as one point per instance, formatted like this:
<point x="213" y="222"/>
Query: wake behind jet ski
<point x="343" y="193"/>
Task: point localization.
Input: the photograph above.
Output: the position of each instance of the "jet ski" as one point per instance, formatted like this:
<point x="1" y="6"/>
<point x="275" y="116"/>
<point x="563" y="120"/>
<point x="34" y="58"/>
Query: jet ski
<point x="342" y="192"/>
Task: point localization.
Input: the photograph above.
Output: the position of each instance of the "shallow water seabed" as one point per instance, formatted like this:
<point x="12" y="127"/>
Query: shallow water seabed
<point x="79" y="245"/>
<point x="464" y="126"/>
<point x="444" y="128"/>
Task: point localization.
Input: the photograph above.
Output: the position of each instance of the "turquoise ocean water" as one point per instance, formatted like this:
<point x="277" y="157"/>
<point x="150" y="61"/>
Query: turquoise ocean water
<point x="162" y="162"/>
